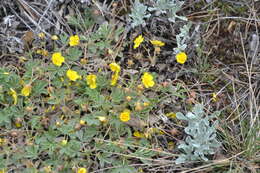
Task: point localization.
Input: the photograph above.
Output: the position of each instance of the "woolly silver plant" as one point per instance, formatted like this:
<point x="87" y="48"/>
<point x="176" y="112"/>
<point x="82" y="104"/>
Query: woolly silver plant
<point x="201" y="140"/>
<point x="169" y="7"/>
<point x="182" y="39"/>
<point x="138" y="14"/>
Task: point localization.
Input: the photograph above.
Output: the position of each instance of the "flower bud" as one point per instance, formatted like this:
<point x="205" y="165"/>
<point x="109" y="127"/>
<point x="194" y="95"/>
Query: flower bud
<point x="128" y="98"/>
<point x="138" y="106"/>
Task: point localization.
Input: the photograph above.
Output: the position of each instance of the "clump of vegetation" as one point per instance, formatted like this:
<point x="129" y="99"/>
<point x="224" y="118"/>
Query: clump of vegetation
<point x="103" y="96"/>
<point x="138" y="14"/>
<point x="168" y="7"/>
<point x="182" y="38"/>
<point x="201" y="140"/>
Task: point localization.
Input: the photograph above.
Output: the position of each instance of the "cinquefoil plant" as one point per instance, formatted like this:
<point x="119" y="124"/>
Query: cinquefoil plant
<point x="201" y="140"/>
<point x="138" y="14"/>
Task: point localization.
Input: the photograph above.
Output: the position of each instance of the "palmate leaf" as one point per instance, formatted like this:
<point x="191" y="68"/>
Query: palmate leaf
<point x="117" y="95"/>
<point x="73" y="54"/>
<point x="39" y="88"/>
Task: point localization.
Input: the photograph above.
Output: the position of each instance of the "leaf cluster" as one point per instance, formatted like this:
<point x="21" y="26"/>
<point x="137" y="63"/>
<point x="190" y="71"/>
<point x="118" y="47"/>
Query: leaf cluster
<point x="182" y="39"/>
<point x="201" y="140"/>
<point x="140" y="12"/>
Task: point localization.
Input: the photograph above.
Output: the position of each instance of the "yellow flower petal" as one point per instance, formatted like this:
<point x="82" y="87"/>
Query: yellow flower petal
<point x="114" y="67"/>
<point x="18" y="124"/>
<point x="72" y="75"/>
<point x="146" y="104"/>
<point x="181" y="57"/>
<point x="114" y="79"/>
<point x="125" y="115"/>
<point x="57" y="59"/>
<point x="157" y="43"/>
<point x="26" y="90"/>
<point x="147" y="80"/>
<point x="91" y="81"/>
<point x="74" y="40"/>
<point x="82" y="170"/>
<point x="41" y="35"/>
<point x="171" y="115"/>
<point x="14" y="95"/>
<point x="102" y="119"/>
<point x="214" y="97"/>
<point x="82" y="122"/>
<point x="54" y="37"/>
<point x="64" y="142"/>
<point x="138" y="41"/>
<point x="138" y="134"/>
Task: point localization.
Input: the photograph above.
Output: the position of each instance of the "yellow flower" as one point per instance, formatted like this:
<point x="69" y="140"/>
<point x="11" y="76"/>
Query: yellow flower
<point x="114" y="79"/>
<point x="42" y="52"/>
<point x="45" y="52"/>
<point x="22" y="59"/>
<point x="140" y="87"/>
<point x="58" y="124"/>
<point x="138" y="106"/>
<point x="147" y="80"/>
<point x="125" y="115"/>
<point x="41" y="35"/>
<point x="64" y="142"/>
<point x="128" y="98"/>
<point x="26" y="90"/>
<point x="83" y="61"/>
<point x="138" y="134"/>
<point x="114" y="67"/>
<point x="181" y="57"/>
<point x="91" y="80"/>
<point x="171" y="115"/>
<point x="74" y="40"/>
<point x="102" y="119"/>
<point x="14" y="95"/>
<point x="47" y="169"/>
<point x="82" y="170"/>
<point x="214" y="97"/>
<point x="146" y="104"/>
<point x="18" y="124"/>
<point x="2" y="171"/>
<point x="72" y="75"/>
<point x="57" y="59"/>
<point x="138" y="41"/>
<point x="2" y="142"/>
<point x="54" y="37"/>
<point x="82" y="122"/>
<point x="157" y="43"/>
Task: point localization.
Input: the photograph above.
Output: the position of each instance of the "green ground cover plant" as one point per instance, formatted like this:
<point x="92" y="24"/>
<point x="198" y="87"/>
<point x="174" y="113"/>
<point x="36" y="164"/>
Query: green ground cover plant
<point x="129" y="86"/>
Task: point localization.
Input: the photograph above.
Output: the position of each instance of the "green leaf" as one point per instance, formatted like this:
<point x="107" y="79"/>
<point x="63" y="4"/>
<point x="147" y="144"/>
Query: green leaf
<point x="91" y="120"/>
<point x="117" y="95"/>
<point x="90" y="133"/>
<point x="5" y="116"/>
<point x="39" y="88"/>
<point x="73" y="54"/>
<point x="9" y="81"/>
<point x="32" y="151"/>
<point x="64" y="39"/>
